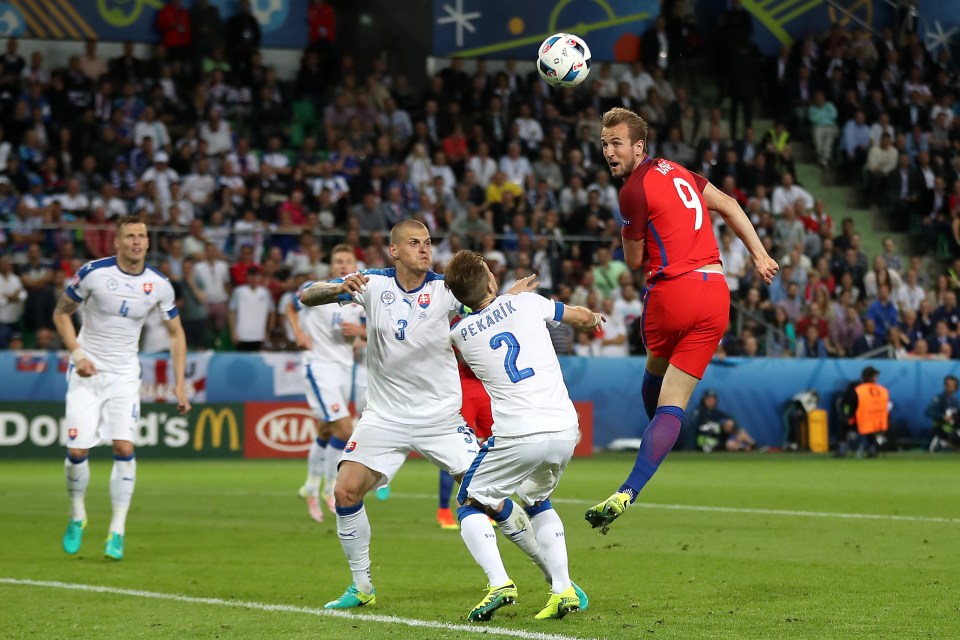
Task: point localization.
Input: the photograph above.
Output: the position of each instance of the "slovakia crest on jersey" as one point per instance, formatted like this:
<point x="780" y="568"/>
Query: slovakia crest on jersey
<point x="423" y="300"/>
<point x="148" y="288"/>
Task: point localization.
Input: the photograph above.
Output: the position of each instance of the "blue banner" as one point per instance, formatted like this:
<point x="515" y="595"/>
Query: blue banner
<point x="940" y="26"/>
<point x="754" y="391"/>
<point x="283" y="23"/>
<point x="510" y="29"/>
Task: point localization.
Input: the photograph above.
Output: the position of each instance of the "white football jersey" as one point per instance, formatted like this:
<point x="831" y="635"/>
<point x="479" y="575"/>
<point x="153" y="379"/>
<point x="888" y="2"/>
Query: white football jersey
<point x="322" y="325"/>
<point x="115" y="306"/>
<point x="508" y="346"/>
<point x="412" y="375"/>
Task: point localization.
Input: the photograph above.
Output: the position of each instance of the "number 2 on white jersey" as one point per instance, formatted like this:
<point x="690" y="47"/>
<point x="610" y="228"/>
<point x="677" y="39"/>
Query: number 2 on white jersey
<point x="690" y="200"/>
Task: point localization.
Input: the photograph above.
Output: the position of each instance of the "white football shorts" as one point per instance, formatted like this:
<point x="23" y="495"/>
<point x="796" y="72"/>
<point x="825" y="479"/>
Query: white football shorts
<point x="382" y="445"/>
<point x="105" y="406"/>
<point x="328" y="390"/>
<point x="529" y="466"/>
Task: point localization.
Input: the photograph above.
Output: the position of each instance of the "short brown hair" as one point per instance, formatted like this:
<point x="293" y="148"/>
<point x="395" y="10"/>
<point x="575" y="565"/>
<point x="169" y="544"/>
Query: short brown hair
<point x="342" y="248"/>
<point x="466" y="277"/>
<point x="636" y="125"/>
<point x="405" y="226"/>
<point x="123" y="221"/>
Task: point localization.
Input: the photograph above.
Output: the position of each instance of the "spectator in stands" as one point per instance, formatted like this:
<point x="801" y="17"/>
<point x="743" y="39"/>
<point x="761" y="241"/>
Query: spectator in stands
<point x="822" y="115"/>
<point x="251" y="314"/>
<point x="12" y="299"/>
<point x="212" y="275"/>
<point x="855" y="143"/>
<point x="869" y="341"/>
<point x="788" y="193"/>
<point x="607" y="272"/>
<point x="880" y="165"/>
<point x="38" y="278"/>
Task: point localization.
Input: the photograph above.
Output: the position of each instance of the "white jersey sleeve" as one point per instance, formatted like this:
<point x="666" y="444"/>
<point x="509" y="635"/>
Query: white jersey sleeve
<point x="508" y="346"/>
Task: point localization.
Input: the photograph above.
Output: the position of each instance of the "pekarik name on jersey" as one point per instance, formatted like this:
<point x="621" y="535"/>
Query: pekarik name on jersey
<point x="495" y="315"/>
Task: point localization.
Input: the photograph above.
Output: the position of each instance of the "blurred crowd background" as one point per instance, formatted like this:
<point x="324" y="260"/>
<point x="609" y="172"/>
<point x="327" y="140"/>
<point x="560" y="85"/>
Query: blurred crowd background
<point x="249" y="179"/>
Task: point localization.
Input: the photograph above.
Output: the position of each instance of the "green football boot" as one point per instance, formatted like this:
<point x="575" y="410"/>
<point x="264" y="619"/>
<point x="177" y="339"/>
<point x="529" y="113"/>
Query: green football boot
<point x="602" y="515"/>
<point x="559" y="605"/>
<point x="352" y="598"/>
<point x="73" y="536"/>
<point x="496" y="597"/>
<point x="114" y="548"/>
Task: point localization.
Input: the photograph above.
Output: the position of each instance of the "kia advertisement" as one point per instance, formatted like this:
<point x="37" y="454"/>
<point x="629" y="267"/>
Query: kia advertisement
<point x="278" y="430"/>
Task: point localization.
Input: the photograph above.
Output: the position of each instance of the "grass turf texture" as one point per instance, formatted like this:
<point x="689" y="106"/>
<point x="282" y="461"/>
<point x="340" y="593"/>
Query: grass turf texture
<point x="236" y="531"/>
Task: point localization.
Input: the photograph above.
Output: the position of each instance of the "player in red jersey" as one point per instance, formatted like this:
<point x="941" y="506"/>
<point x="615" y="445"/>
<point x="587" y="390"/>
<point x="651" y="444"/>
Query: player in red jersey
<point x="476" y="412"/>
<point x="667" y="232"/>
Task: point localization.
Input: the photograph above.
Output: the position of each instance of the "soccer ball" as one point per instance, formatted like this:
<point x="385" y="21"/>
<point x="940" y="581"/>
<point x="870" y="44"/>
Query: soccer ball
<point x="563" y="60"/>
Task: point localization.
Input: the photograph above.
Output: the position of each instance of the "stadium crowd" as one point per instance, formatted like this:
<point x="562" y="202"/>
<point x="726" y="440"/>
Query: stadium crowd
<point x="247" y="180"/>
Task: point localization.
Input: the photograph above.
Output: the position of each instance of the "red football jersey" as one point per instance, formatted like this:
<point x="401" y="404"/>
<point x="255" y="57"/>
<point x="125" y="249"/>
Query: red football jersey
<point x="662" y="204"/>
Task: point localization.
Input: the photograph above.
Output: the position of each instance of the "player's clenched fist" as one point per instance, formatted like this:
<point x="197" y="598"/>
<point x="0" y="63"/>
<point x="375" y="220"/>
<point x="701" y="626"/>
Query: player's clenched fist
<point x="767" y="267"/>
<point x="354" y="283"/>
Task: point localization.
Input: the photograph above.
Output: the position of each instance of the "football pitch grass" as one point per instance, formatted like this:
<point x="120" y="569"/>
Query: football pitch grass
<point x="762" y="546"/>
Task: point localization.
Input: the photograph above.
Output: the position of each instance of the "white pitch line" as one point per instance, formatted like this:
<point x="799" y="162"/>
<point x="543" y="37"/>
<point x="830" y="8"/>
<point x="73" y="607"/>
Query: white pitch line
<point x="764" y="512"/>
<point x="285" y="608"/>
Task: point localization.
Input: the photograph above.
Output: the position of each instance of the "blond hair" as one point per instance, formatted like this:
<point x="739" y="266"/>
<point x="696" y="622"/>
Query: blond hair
<point x="636" y="126"/>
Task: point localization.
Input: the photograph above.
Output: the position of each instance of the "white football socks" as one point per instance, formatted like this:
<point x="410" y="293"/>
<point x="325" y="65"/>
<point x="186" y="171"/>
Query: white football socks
<point x="481" y="540"/>
<point x="316" y="463"/>
<point x="553" y="546"/>
<point x="334" y="453"/>
<point x="519" y="530"/>
<point x="123" y="477"/>
<point x="78" y="477"/>
<point x="354" y="531"/>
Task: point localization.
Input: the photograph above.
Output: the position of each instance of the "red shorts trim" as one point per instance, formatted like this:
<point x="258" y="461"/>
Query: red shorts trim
<point x="684" y="319"/>
<point x="476" y="408"/>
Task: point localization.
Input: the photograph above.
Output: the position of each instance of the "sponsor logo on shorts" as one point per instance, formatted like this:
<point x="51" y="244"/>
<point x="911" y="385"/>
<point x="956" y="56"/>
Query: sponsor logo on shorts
<point x="350" y="447"/>
<point x="335" y="407"/>
<point x="388" y="297"/>
<point x="72" y="433"/>
<point x="148" y="288"/>
<point x="423" y="300"/>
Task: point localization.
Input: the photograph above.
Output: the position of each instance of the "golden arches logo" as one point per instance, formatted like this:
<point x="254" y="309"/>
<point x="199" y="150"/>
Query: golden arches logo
<point x="216" y="420"/>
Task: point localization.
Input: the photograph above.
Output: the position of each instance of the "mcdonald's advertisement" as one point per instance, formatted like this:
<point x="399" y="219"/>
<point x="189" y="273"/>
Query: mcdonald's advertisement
<point x="39" y="430"/>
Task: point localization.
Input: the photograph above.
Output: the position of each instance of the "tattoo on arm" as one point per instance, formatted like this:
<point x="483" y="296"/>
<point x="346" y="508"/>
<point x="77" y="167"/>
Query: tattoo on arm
<point x="66" y="305"/>
<point x="320" y="293"/>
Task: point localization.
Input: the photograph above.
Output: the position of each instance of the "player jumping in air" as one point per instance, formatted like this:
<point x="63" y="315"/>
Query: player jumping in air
<point x="103" y="382"/>
<point x="667" y="231"/>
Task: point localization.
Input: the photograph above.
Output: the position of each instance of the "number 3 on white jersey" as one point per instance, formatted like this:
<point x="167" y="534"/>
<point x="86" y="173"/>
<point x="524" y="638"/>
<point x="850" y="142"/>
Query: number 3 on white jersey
<point x="690" y="200"/>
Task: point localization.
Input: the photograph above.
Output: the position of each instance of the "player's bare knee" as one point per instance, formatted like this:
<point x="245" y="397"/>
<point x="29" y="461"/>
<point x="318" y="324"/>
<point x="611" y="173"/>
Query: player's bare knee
<point x="77" y="454"/>
<point x="122" y="448"/>
<point x="347" y="496"/>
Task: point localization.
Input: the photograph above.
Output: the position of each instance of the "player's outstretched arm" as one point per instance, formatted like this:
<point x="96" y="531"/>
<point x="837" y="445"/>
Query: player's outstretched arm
<point x="178" y="352"/>
<point x="63" y="321"/>
<point x="327" y="292"/>
<point x="737" y="220"/>
<point x="581" y="318"/>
